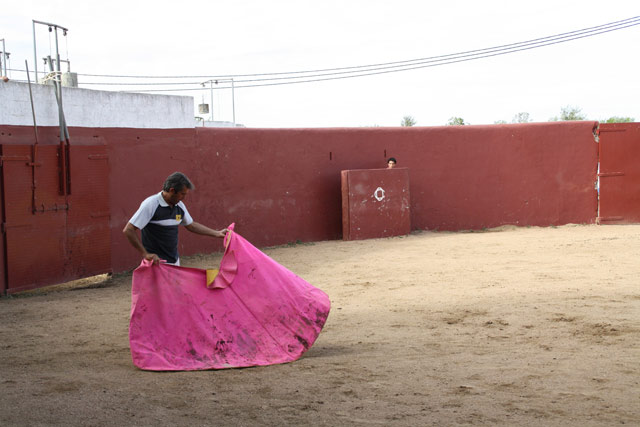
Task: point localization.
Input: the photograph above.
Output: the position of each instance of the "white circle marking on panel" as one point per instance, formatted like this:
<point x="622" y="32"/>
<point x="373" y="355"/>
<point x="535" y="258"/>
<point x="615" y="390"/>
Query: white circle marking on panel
<point x="379" y="194"/>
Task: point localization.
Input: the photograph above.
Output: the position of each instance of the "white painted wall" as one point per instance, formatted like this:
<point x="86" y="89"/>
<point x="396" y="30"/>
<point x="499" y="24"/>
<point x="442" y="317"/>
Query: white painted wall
<point x="93" y="108"/>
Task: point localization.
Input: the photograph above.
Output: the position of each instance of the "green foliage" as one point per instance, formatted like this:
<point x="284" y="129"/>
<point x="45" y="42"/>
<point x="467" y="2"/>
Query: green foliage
<point x="456" y="121"/>
<point x="618" y="119"/>
<point x="408" y="121"/>
<point x="569" y="113"/>
<point x="521" y="118"/>
<point x="518" y="118"/>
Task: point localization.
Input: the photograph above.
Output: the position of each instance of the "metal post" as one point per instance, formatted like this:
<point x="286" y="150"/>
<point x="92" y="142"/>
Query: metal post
<point x="33" y="110"/>
<point x="211" y="86"/>
<point x="4" y="59"/>
<point x="35" y="55"/>
<point x="58" y="79"/>
<point x="64" y="154"/>
<point x="233" y="101"/>
<point x="34" y="148"/>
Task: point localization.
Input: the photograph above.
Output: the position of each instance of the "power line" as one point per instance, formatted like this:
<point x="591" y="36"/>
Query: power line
<point x="309" y="76"/>
<point x="621" y="24"/>
<point x="428" y="62"/>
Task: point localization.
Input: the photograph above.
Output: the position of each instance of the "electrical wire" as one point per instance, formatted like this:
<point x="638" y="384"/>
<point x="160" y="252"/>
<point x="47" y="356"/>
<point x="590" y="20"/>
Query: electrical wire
<point x="634" y="21"/>
<point x="429" y="62"/>
<point x="309" y="76"/>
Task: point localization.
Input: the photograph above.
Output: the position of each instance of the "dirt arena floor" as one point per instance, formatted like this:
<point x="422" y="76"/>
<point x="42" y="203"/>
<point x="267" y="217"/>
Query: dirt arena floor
<point x="511" y="326"/>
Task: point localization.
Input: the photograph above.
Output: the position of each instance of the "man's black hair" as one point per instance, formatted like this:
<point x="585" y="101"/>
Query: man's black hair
<point x="392" y="159"/>
<point x="177" y="181"/>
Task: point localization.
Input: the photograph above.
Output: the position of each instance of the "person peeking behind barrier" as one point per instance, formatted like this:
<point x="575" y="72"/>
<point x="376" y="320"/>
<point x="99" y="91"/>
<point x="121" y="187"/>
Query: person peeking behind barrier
<point x="391" y="163"/>
<point x="159" y="217"/>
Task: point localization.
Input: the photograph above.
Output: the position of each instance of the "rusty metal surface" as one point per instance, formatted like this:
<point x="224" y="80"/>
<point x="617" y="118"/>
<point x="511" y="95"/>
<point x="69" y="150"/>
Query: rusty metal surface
<point x="375" y="203"/>
<point x="619" y="173"/>
<point x="48" y="237"/>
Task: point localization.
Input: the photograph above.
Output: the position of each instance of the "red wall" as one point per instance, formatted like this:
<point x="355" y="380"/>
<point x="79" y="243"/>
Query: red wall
<point x="474" y="177"/>
<point x="283" y="185"/>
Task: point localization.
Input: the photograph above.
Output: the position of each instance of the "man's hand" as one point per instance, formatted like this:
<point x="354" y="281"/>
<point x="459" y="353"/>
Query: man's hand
<point x="131" y="232"/>
<point x="152" y="257"/>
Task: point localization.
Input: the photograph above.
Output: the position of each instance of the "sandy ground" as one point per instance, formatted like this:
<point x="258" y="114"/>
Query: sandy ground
<point x="514" y="326"/>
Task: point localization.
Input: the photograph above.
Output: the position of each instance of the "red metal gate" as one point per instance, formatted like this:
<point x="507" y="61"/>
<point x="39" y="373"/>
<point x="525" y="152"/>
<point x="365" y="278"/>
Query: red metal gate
<point x="48" y="236"/>
<point x="619" y="173"/>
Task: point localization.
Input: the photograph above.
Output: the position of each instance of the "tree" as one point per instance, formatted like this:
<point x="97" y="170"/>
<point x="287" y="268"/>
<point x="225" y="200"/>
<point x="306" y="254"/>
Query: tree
<point x="408" y="121"/>
<point x="456" y="121"/>
<point x="521" y="118"/>
<point x="618" y="119"/>
<point x="500" y="122"/>
<point x="569" y="113"/>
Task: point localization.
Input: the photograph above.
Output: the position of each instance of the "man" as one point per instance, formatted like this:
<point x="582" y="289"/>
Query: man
<point x="391" y="163"/>
<point x="159" y="217"/>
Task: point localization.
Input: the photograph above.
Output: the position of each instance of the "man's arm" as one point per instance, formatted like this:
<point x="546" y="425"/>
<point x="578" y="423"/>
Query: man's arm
<point x="198" y="228"/>
<point x="131" y="231"/>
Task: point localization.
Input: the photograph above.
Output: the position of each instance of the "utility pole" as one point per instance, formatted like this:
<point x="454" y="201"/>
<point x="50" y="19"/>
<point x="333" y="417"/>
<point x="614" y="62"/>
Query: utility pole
<point x="211" y="86"/>
<point x="3" y="60"/>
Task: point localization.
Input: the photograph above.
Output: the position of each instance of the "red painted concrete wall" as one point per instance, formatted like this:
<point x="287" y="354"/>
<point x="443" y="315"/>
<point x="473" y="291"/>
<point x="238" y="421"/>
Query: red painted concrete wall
<point x="474" y="177"/>
<point x="283" y="185"/>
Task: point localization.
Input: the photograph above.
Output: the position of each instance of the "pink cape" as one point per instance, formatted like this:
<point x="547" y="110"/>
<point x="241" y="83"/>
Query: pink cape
<point x="255" y="313"/>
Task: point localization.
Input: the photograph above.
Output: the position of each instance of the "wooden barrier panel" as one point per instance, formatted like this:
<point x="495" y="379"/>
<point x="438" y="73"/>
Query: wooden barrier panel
<point x="375" y="203"/>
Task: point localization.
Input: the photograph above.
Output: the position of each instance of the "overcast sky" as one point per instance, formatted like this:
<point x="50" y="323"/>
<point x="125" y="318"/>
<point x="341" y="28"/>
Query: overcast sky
<point x="598" y="74"/>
